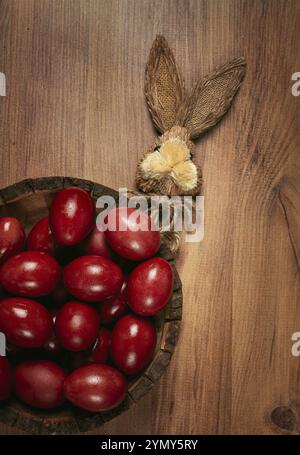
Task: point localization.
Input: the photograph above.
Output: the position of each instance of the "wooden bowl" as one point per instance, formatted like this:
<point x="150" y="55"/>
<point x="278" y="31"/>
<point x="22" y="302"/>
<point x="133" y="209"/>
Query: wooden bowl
<point x="29" y="201"/>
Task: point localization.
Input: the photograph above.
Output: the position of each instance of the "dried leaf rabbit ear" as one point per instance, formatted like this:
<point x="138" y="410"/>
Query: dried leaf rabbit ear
<point x="212" y="97"/>
<point x="163" y="85"/>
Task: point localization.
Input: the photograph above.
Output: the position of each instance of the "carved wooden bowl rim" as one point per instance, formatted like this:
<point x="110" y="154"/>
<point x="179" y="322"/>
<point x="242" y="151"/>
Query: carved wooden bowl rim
<point x="71" y="420"/>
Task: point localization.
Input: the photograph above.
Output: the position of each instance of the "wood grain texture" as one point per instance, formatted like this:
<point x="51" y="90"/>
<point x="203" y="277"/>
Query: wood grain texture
<point x="75" y="106"/>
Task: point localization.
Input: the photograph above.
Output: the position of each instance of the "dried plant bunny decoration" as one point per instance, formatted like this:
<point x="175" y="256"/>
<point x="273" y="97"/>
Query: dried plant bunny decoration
<point x="168" y="168"/>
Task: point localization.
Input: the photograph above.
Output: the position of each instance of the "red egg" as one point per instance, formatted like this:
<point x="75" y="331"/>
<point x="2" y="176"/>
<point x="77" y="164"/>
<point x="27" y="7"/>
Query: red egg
<point x="93" y="278"/>
<point x="71" y="215"/>
<point x="12" y="237"/>
<point x="150" y="286"/>
<point x="40" y="384"/>
<point x="133" y="343"/>
<point x="95" y="387"/>
<point x="26" y="323"/>
<point x="100" y="352"/>
<point x="96" y="244"/>
<point x="129" y="234"/>
<point x="112" y="309"/>
<point x="31" y="273"/>
<point x="6" y="379"/>
<point x="77" y="326"/>
<point x="40" y="238"/>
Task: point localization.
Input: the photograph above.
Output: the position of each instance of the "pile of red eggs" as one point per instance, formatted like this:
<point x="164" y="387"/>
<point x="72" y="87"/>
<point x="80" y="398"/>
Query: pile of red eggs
<point x="77" y="304"/>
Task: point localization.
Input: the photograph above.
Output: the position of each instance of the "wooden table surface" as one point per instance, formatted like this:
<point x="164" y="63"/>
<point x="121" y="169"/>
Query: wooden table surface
<point x="75" y="106"/>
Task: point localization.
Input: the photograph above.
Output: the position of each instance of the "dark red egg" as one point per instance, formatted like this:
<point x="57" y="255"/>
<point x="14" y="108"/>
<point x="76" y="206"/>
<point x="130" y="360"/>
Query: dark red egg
<point x="150" y="286"/>
<point x="12" y="237"/>
<point x="26" y="323"/>
<point x="95" y="387"/>
<point x="71" y="216"/>
<point x="112" y="309"/>
<point x="96" y="244"/>
<point x="40" y="384"/>
<point x="129" y="233"/>
<point x="100" y="352"/>
<point x="6" y="379"/>
<point x="93" y="278"/>
<point x="77" y="326"/>
<point x="30" y="273"/>
<point x="133" y="343"/>
<point x="40" y="238"/>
